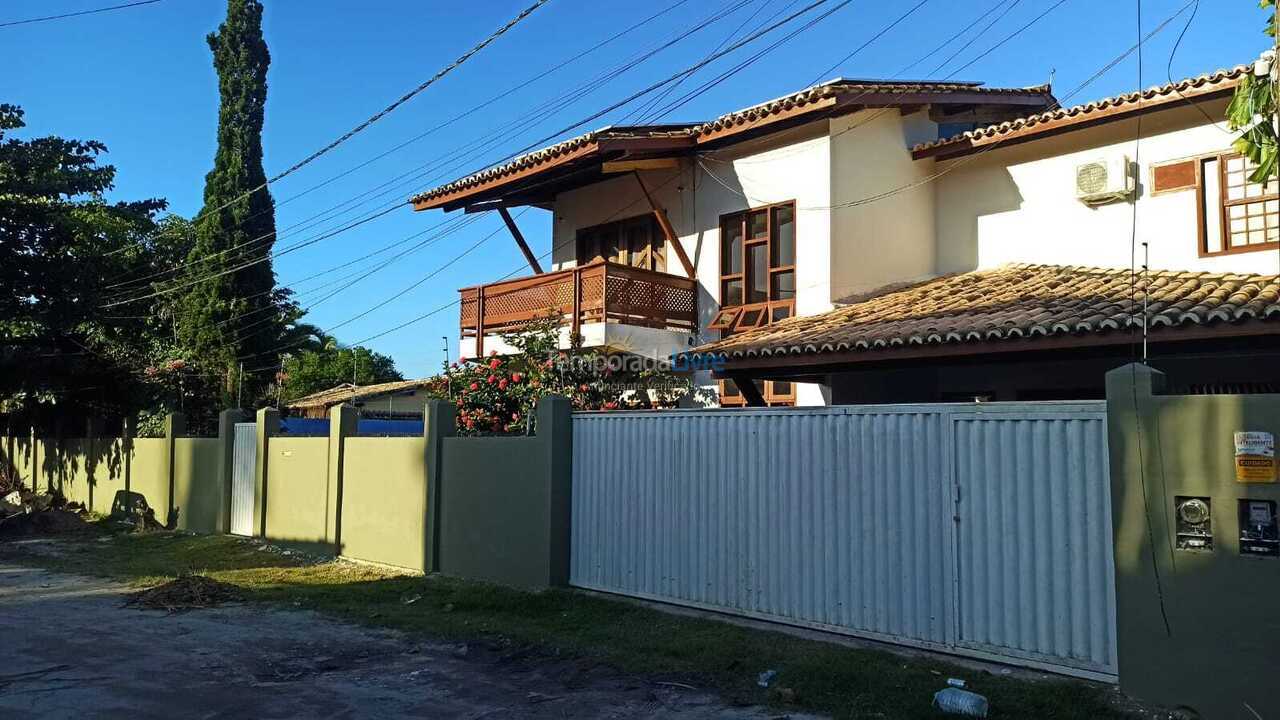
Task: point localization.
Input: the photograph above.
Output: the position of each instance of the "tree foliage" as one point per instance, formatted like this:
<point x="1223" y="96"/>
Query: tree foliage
<point x="232" y="308"/>
<point x="1252" y="111"/>
<point x="61" y="245"/>
<point x="313" y="370"/>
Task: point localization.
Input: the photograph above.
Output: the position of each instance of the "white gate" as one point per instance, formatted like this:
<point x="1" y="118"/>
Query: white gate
<point x="981" y="530"/>
<point x="242" y="478"/>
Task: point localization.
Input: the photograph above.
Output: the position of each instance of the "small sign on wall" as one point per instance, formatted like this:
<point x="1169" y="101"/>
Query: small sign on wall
<point x="1255" y="457"/>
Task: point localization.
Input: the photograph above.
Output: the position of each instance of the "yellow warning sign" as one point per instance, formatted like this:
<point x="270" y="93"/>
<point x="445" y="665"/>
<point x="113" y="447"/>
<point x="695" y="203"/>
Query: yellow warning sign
<point x="1255" y="457"/>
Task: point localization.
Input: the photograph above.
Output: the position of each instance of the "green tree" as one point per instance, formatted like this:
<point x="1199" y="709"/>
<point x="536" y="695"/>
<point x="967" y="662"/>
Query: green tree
<point x="61" y="246"/>
<point x="1252" y="111"/>
<point x="331" y="365"/>
<point x="234" y="309"/>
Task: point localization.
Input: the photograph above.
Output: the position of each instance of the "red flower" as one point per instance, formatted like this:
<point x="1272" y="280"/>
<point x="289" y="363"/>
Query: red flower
<point x="515" y="416"/>
<point x="492" y="353"/>
<point x="454" y="366"/>
<point x="584" y="387"/>
<point x="459" y="402"/>
<point x="494" y="363"/>
<point x="493" y="379"/>
<point x="516" y="377"/>
<point x="471" y="424"/>
<point x="611" y="405"/>
<point x="502" y="384"/>
<point x="549" y="363"/>
<point x="475" y="386"/>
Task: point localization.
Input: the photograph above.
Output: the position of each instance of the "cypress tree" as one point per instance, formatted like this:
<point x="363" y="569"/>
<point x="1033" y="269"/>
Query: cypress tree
<point x="224" y="317"/>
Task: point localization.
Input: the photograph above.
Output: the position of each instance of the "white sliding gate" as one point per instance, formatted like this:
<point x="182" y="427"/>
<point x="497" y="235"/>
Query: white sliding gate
<point x="982" y="530"/>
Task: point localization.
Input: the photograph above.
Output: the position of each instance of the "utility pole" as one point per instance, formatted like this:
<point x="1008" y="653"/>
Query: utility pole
<point x="445" y="365"/>
<point x="240" y="385"/>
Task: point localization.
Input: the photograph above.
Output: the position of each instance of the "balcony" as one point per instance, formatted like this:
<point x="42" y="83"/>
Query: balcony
<point x="614" y="307"/>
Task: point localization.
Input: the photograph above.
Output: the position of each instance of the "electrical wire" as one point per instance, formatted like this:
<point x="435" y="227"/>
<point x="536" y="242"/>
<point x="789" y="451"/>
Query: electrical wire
<point x="502" y="133"/>
<point x="870" y="40"/>
<point x="81" y="13"/>
<point x="378" y="115"/>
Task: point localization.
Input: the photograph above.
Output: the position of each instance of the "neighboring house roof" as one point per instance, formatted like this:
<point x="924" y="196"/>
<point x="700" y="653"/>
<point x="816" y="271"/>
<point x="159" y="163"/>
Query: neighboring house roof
<point x="1201" y="87"/>
<point x="1014" y="302"/>
<point x="830" y="98"/>
<point x="347" y="392"/>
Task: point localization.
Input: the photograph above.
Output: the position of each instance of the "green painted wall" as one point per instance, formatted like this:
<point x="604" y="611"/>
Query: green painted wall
<point x="197" y="484"/>
<point x="384" y="501"/>
<point x="504" y="504"/>
<point x="19" y="456"/>
<point x="107" y="473"/>
<point x="296" y="488"/>
<point x="149" y="473"/>
<point x="73" y="469"/>
<point x="1221" y="648"/>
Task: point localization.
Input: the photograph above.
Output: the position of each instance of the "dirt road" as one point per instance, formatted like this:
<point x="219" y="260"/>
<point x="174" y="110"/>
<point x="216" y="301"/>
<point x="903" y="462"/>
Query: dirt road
<point x="71" y="650"/>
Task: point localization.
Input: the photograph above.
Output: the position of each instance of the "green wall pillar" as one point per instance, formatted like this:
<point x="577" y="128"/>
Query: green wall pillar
<point x="227" y="420"/>
<point x="268" y="424"/>
<point x="343" y="423"/>
<point x="1197" y="622"/>
<point x="439" y="422"/>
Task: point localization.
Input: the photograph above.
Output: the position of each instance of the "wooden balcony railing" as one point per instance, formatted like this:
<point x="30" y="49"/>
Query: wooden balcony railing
<point x="600" y="291"/>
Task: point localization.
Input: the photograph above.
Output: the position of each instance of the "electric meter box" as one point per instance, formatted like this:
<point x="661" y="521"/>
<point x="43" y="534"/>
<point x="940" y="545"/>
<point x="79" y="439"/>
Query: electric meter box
<point x="1194" y="501"/>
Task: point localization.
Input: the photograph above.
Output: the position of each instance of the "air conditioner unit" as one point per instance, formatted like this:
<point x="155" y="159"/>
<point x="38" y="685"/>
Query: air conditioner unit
<point x="1104" y="181"/>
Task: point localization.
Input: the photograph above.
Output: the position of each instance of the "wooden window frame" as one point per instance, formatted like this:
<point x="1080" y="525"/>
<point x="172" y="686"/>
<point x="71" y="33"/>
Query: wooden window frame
<point x="1221" y="205"/>
<point x="656" y="246"/>
<point x="770" y="306"/>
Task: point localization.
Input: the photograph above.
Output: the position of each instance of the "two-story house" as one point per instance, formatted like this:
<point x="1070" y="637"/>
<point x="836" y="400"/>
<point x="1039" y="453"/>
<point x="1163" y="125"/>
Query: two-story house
<point x="869" y="241"/>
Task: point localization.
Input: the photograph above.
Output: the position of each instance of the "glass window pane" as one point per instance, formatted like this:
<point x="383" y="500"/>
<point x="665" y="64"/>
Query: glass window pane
<point x="784" y="237"/>
<point x="781" y="387"/>
<point x="758" y="277"/>
<point x="731" y="249"/>
<point x="758" y="224"/>
<point x="782" y="312"/>
<point x="731" y="292"/>
<point x="783" y="286"/>
<point x="751" y="318"/>
<point x="730" y="389"/>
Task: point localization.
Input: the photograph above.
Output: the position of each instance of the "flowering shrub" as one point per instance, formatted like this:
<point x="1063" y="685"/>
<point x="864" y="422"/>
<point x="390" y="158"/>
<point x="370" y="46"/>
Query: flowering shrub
<point x="500" y="394"/>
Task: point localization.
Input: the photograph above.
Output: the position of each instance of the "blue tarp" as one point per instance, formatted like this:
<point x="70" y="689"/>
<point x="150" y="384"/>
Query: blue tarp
<point x="312" y="427"/>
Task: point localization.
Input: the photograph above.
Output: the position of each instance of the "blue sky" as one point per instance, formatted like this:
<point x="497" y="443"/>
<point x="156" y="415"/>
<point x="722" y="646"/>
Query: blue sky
<point x="141" y="80"/>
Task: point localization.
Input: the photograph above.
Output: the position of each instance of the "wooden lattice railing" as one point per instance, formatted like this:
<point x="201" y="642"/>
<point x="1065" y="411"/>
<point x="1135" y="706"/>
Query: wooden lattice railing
<point x="600" y="291"/>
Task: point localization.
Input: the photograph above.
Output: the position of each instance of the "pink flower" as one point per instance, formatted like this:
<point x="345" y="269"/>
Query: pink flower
<point x="584" y="387"/>
<point x="502" y="384"/>
<point x="515" y="417"/>
<point x="492" y="353"/>
<point x="471" y="424"/>
<point x="516" y="377"/>
<point x="494" y="363"/>
<point x="493" y="379"/>
<point x="475" y="386"/>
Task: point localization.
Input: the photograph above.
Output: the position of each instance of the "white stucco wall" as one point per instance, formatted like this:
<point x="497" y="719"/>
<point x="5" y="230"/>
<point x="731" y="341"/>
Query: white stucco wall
<point x="1017" y="203"/>
<point x="889" y="239"/>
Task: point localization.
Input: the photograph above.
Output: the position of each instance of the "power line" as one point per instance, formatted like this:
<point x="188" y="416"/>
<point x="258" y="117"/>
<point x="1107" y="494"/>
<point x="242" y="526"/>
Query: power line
<point x="870" y="40"/>
<point x="381" y="113"/>
<point x="28" y="21"/>
<point x="546" y="109"/>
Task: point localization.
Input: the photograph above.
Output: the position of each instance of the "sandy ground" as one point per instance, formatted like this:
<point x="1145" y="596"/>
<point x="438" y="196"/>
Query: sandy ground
<point x="71" y="650"/>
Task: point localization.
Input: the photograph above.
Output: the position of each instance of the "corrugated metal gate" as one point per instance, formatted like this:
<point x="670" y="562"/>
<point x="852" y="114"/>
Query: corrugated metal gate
<point x="242" y="478"/>
<point x="982" y="530"/>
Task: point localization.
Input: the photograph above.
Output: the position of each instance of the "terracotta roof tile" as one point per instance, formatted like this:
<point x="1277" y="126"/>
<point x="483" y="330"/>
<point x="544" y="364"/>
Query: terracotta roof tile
<point x="1013" y="301"/>
<point x="1171" y="92"/>
<point x="808" y="96"/>
<point x="346" y="392"/>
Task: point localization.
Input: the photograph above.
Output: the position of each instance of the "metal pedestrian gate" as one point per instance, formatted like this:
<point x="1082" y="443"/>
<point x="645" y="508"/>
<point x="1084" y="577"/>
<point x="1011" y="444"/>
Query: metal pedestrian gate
<point x="243" y="469"/>
<point x="981" y="530"/>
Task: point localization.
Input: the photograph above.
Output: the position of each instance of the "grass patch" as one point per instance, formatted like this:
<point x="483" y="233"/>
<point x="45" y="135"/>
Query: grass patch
<point x="813" y="676"/>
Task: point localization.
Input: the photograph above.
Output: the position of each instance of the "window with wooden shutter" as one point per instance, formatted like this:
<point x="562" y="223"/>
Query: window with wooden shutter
<point x="1236" y="214"/>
